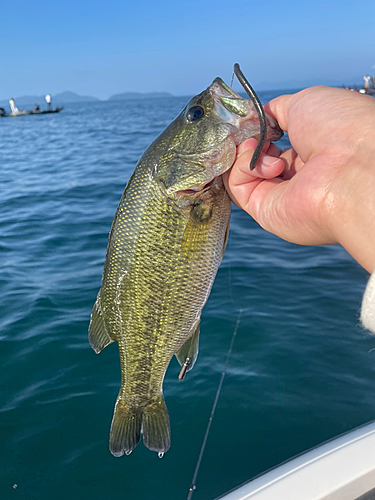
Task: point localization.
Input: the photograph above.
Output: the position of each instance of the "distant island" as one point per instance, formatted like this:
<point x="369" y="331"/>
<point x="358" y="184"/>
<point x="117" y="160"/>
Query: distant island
<point x="68" y="97"/>
<point x="58" y="99"/>
<point x="72" y="97"/>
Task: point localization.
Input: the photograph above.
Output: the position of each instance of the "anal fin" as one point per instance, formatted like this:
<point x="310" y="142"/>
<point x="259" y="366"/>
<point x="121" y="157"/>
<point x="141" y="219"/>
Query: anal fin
<point x="99" y="336"/>
<point x="188" y="353"/>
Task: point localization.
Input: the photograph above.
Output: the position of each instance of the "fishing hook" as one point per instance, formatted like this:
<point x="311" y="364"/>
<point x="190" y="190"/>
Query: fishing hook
<point x="258" y="106"/>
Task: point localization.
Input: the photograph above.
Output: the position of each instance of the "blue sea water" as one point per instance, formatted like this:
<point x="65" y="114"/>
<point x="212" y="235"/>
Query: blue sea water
<point x="301" y="371"/>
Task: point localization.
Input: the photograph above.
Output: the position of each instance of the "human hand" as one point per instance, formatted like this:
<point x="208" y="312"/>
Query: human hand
<point x="322" y="190"/>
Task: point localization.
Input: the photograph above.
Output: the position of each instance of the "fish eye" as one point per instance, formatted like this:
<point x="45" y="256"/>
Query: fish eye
<point x="195" y="113"/>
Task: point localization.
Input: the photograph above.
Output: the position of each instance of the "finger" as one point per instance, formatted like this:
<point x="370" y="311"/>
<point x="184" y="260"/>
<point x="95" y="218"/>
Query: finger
<point x="274" y="150"/>
<point x="255" y="205"/>
<point x="292" y="162"/>
<point x="267" y="167"/>
<point x="240" y="193"/>
<point x="251" y="198"/>
<point x="279" y="108"/>
<point x="251" y="144"/>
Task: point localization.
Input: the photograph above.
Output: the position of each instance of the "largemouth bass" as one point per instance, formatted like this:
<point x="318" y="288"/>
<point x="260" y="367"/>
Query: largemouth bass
<point x="165" y="245"/>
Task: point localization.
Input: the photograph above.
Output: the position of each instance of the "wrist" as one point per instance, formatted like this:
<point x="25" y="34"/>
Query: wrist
<point x="352" y="214"/>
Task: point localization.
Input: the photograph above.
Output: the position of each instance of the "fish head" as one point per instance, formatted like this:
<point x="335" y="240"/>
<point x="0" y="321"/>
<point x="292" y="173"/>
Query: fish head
<point x="201" y="142"/>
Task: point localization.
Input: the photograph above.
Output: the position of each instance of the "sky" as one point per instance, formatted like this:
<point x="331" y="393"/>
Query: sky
<point x="105" y="47"/>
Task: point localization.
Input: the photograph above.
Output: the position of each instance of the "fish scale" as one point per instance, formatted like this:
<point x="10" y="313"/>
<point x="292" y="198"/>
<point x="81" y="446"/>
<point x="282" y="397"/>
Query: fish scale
<point x="166" y="242"/>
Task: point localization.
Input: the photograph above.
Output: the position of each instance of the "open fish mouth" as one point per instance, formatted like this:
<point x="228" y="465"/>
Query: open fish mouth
<point x="246" y="115"/>
<point x="221" y="89"/>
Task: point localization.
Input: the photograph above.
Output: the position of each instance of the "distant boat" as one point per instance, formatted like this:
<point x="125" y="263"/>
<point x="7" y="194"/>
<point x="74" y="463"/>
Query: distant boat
<point x="3" y="113"/>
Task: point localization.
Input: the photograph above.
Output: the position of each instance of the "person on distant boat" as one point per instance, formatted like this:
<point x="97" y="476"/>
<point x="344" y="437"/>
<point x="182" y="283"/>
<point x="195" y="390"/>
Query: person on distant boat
<point x="2" y="112"/>
<point x="320" y="191"/>
<point x="48" y="100"/>
<point x="367" y="79"/>
<point x="13" y="107"/>
<point x="36" y="107"/>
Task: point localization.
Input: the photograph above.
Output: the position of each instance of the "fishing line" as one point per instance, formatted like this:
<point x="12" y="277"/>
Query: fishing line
<point x="231" y="82"/>
<point x="193" y="486"/>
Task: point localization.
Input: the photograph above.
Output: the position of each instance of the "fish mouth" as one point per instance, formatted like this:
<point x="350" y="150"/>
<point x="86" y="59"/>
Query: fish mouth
<point x="220" y="88"/>
<point x="241" y="114"/>
<point x="229" y="105"/>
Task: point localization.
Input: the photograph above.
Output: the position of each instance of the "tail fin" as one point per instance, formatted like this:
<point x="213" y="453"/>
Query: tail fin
<point x="125" y="429"/>
<point x="128" y="421"/>
<point x="156" y="428"/>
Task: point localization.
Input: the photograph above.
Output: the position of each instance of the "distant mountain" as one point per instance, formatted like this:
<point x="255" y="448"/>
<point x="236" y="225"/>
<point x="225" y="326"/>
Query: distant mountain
<point x="138" y="95"/>
<point x="68" y="96"/>
<point x="28" y="101"/>
<point x="58" y="99"/>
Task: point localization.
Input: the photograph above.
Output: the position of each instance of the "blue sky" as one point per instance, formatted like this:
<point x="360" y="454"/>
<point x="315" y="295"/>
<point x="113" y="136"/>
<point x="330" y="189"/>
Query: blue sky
<point x="105" y="47"/>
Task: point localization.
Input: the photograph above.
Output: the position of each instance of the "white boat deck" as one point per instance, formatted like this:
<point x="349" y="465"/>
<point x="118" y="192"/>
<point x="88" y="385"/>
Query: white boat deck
<point x="340" y="469"/>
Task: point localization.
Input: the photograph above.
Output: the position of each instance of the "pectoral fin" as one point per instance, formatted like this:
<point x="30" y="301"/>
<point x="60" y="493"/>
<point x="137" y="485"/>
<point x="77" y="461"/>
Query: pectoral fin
<point x="99" y="336"/>
<point x="188" y="353"/>
<point x="196" y="231"/>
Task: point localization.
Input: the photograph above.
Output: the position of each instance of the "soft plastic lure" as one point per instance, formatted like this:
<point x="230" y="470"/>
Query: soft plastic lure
<point x="258" y="106"/>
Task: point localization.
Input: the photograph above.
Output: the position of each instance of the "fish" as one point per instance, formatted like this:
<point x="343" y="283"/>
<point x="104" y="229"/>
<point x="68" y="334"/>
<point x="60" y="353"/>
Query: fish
<point x="165" y="245"/>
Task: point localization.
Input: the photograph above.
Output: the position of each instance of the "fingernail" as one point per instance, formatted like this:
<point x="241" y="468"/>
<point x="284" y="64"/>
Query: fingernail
<point x="268" y="161"/>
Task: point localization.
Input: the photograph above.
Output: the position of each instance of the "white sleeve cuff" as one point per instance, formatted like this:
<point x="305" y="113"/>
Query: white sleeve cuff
<point x="368" y="305"/>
